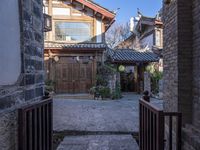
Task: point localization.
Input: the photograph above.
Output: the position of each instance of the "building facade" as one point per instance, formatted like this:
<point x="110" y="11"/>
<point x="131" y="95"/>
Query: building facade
<point x="76" y="43"/>
<point x="181" y="66"/>
<point x="21" y="63"/>
<point x="146" y="37"/>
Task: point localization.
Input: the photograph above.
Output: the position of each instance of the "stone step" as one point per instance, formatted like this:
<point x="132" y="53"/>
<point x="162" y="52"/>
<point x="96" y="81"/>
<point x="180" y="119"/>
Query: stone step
<point x="74" y="96"/>
<point x="99" y="142"/>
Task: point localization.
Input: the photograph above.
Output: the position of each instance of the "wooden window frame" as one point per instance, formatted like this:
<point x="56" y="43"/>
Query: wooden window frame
<point x="74" y="21"/>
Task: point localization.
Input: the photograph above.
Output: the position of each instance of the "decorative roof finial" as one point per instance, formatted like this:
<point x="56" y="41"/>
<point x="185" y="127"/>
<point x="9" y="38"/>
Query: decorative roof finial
<point x="139" y="13"/>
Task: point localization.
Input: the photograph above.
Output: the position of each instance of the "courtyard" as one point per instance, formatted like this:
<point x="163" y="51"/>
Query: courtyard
<point x="106" y="122"/>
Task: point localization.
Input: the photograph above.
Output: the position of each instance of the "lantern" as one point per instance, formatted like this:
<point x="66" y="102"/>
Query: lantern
<point x="47" y="23"/>
<point x="121" y="68"/>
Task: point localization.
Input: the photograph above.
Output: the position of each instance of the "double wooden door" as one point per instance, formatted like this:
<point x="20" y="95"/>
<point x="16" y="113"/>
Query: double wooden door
<point x="73" y="76"/>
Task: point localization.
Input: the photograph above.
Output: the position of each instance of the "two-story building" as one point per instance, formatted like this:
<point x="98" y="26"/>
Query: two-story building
<point x="76" y="43"/>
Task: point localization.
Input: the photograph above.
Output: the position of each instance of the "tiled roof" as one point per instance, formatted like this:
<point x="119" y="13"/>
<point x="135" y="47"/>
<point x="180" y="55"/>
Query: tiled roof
<point x="53" y="45"/>
<point x="132" y="56"/>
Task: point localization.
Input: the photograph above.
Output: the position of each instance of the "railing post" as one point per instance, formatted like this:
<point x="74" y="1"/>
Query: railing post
<point x="160" y="131"/>
<point x="179" y="134"/>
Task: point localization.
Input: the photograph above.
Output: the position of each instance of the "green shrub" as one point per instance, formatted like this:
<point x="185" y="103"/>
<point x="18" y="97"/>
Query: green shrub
<point x="102" y="82"/>
<point x="49" y="85"/>
<point x="104" y="92"/>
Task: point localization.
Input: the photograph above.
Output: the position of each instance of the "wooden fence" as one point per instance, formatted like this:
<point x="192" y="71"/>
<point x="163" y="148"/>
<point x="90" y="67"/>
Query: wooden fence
<point x="152" y="127"/>
<point x="35" y="126"/>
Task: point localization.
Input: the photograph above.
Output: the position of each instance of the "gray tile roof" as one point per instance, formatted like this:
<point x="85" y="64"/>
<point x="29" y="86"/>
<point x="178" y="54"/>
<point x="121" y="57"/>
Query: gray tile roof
<point x="132" y="56"/>
<point x="75" y="45"/>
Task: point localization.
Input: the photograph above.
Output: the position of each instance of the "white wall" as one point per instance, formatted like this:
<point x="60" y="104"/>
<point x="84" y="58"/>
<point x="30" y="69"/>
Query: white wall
<point x="147" y="41"/>
<point x="10" y="58"/>
<point x="99" y="31"/>
<point x="61" y="11"/>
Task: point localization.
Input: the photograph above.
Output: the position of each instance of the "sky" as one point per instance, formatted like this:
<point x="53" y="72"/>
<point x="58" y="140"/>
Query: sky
<point x="128" y="8"/>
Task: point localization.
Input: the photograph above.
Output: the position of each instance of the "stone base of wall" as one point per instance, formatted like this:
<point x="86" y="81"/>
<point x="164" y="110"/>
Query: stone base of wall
<point x="8" y="130"/>
<point x="191" y="138"/>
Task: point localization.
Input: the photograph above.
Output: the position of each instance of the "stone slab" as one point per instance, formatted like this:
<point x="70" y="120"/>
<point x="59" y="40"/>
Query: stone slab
<point x="99" y="142"/>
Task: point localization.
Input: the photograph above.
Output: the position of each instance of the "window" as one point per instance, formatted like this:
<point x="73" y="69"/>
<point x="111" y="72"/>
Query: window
<point x="72" y="31"/>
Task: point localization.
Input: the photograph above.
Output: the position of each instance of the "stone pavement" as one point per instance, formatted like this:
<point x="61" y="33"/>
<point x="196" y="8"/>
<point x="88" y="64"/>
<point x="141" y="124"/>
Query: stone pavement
<point x="98" y="142"/>
<point x="97" y="116"/>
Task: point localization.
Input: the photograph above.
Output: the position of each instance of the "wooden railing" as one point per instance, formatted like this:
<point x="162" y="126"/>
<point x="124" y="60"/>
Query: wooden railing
<point x="35" y="126"/>
<point x="152" y="127"/>
<point x="178" y="118"/>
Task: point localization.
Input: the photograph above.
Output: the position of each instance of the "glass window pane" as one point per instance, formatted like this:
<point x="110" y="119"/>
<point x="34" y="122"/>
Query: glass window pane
<point x="73" y="31"/>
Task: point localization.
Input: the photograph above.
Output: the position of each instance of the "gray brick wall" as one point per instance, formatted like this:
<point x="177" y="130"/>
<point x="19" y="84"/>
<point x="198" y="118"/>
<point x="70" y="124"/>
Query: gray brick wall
<point x="170" y="55"/>
<point x="30" y="85"/>
<point x="196" y="63"/>
<point x="182" y="66"/>
<point x="178" y="58"/>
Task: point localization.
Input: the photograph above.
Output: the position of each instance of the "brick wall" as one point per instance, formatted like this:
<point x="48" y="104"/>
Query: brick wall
<point x="170" y="55"/>
<point x="182" y="66"/>
<point x="178" y="58"/>
<point x="30" y="85"/>
<point x="196" y="63"/>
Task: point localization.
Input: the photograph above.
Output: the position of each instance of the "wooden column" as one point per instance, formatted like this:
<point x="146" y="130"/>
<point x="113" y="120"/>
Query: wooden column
<point x="50" y="37"/>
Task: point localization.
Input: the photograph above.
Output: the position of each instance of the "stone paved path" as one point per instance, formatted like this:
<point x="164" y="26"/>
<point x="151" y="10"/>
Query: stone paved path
<point x="99" y="142"/>
<point x="111" y="116"/>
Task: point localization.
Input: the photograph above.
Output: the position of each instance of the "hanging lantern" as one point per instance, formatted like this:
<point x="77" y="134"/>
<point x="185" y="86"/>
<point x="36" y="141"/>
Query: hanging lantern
<point x="56" y="58"/>
<point x="47" y="23"/>
<point x="121" y="68"/>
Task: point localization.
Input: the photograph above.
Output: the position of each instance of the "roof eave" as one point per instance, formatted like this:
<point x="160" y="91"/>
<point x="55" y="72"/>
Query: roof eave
<point x="105" y="12"/>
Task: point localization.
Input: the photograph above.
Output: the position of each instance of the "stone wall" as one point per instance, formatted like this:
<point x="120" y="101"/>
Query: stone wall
<point x="29" y="86"/>
<point x="147" y="82"/>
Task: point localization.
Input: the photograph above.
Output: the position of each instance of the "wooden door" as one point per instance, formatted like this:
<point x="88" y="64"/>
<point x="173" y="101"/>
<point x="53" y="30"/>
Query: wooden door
<point x="85" y="77"/>
<point x="73" y="76"/>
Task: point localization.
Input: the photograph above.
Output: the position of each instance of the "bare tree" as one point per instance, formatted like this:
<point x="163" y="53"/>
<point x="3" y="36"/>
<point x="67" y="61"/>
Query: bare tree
<point x="116" y="34"/>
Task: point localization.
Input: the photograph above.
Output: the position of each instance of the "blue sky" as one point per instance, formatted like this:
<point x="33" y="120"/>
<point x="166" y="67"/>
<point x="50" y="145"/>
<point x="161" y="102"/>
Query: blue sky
<point x="128" y="8"/>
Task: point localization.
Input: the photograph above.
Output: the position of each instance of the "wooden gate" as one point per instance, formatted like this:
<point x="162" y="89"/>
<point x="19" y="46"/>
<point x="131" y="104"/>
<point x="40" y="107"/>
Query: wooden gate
<point x="35" y="126"/>
<point x="152" y="128"/>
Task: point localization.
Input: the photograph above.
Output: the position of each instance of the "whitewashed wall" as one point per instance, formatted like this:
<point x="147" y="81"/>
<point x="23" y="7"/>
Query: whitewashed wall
<point x="10" y="58"/>
<point x="147" y="41"/>
<point x="61" y="11"/>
